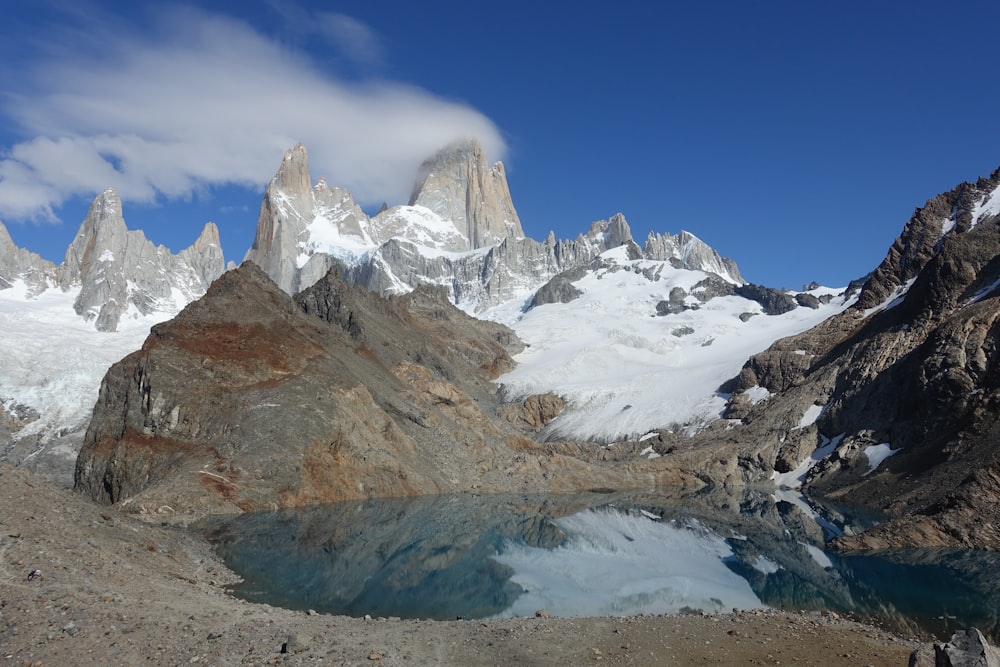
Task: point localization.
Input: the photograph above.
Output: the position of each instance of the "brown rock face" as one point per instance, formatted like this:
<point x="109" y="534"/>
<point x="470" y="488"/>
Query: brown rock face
<point x="921" y="375"/>
<point x="251" y="399"/>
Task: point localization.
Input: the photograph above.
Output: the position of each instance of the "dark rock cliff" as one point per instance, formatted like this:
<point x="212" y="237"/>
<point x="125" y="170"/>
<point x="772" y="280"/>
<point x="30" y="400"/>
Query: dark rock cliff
<point x="913" y="366"/>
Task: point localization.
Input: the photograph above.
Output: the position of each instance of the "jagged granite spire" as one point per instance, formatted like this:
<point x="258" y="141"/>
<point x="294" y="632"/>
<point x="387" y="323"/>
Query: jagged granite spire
<point x="458" y="185"/>
<point x="289" y="206"/>
<point x="610" y="233"/>
<point x="460" y="229"/>
<point x="282" y="219"/>
<point x="119" y="269"/>
<point x="204" y="256"/>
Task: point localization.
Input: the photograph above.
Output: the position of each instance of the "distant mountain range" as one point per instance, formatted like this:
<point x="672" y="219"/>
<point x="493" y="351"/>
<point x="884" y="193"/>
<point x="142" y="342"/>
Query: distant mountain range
<point x="460" y="231"/>
<point x="626" y="362"/>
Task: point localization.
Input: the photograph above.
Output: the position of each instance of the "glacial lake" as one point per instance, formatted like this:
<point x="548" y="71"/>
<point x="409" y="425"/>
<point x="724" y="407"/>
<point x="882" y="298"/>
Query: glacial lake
<point x="468" y="556"/>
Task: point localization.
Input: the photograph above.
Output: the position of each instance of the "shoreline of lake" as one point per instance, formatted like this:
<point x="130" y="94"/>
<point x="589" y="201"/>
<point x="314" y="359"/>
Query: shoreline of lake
<point x="116" y="590"/>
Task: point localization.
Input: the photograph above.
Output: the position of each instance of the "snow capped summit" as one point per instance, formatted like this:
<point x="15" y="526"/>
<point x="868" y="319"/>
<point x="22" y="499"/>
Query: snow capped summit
<point x="113" y="272"/>
<point x="18" y="264"/>
<point x="688" y="251"/>
<point x="460" y="230"/>
<point x="636" y="307"/>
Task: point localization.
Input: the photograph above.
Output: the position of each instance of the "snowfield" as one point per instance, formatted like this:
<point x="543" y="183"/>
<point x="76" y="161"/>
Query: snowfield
<point x="53" y="361"/>
<point x="626" y="371"/>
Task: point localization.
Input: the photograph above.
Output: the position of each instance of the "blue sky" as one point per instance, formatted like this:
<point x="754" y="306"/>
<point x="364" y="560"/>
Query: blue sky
<point x="794" y="137"/>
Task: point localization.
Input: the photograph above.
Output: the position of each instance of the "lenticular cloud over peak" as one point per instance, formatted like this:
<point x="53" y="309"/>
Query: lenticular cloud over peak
<point x="207" y="100"/>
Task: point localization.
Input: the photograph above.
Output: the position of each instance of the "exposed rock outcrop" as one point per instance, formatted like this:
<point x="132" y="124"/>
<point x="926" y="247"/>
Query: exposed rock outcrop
<point x="559" y="289"/>
<point x="966" y="648"/>
<point x="909" y="373"/>
<point x="251" y="399"/>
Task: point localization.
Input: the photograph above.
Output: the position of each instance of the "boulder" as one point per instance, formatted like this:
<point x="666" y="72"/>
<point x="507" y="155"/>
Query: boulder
<point x="966" y="648"/>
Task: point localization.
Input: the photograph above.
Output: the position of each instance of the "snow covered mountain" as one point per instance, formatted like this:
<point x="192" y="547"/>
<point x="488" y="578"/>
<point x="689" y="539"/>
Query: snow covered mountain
<point x="65" y="324"/>
<point x="612" y="325"/>
<point x="632" y="338"/>
<point x="635" y="338"/>
<point x="459" y="230"/>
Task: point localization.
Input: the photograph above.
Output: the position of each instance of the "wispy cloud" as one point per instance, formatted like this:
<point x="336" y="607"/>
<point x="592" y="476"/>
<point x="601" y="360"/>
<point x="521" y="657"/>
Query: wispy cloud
<point x="353" y="39"/>
<point x="204" y="100"/>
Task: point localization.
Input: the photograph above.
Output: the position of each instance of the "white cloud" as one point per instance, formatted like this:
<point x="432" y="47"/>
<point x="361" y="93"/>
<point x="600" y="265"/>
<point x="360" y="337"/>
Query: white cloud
<point x="206" y="100"/>
<point x="356" y="37"/>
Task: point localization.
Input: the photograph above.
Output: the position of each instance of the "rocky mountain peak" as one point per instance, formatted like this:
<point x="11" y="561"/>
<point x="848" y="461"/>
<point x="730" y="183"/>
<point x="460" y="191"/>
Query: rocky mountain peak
<point x="458" y="185"/>
<point x="685" y="250"/>
<point x="118" y="270"/>
<point x="20" y="264"/>
<point x="292" y="177"/>
<point x="205" y="254"/>
<point x="610" y="233"/>
<point x="103" y="231"/>
<point x="459" y="206"/>
<point x="284" y="211"/>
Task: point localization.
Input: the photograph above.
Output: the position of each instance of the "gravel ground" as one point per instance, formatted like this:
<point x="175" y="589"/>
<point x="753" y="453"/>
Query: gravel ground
<point x="115" y="590"/>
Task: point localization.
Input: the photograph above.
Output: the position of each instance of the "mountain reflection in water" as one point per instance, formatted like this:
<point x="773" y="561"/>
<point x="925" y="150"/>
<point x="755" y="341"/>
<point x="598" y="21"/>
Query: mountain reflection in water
<point x="472" y="556"/>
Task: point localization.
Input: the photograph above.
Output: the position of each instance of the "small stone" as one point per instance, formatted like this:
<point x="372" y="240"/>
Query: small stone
<point x="374" y="655"/>
<point x="296" y="644"/>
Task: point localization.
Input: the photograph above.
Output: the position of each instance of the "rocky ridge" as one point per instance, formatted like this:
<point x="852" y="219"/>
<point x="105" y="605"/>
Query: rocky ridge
<point x="22" y="264"/>
<point x="908" y="372"/>
<point x="121" y="270"/>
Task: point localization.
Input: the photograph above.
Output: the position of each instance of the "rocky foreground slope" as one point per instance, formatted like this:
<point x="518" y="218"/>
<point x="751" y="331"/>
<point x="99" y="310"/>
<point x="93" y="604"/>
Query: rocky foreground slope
<point x="161" y="598"/>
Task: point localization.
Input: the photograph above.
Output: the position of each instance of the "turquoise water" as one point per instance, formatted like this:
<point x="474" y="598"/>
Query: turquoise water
<point x="467" y="556"/>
